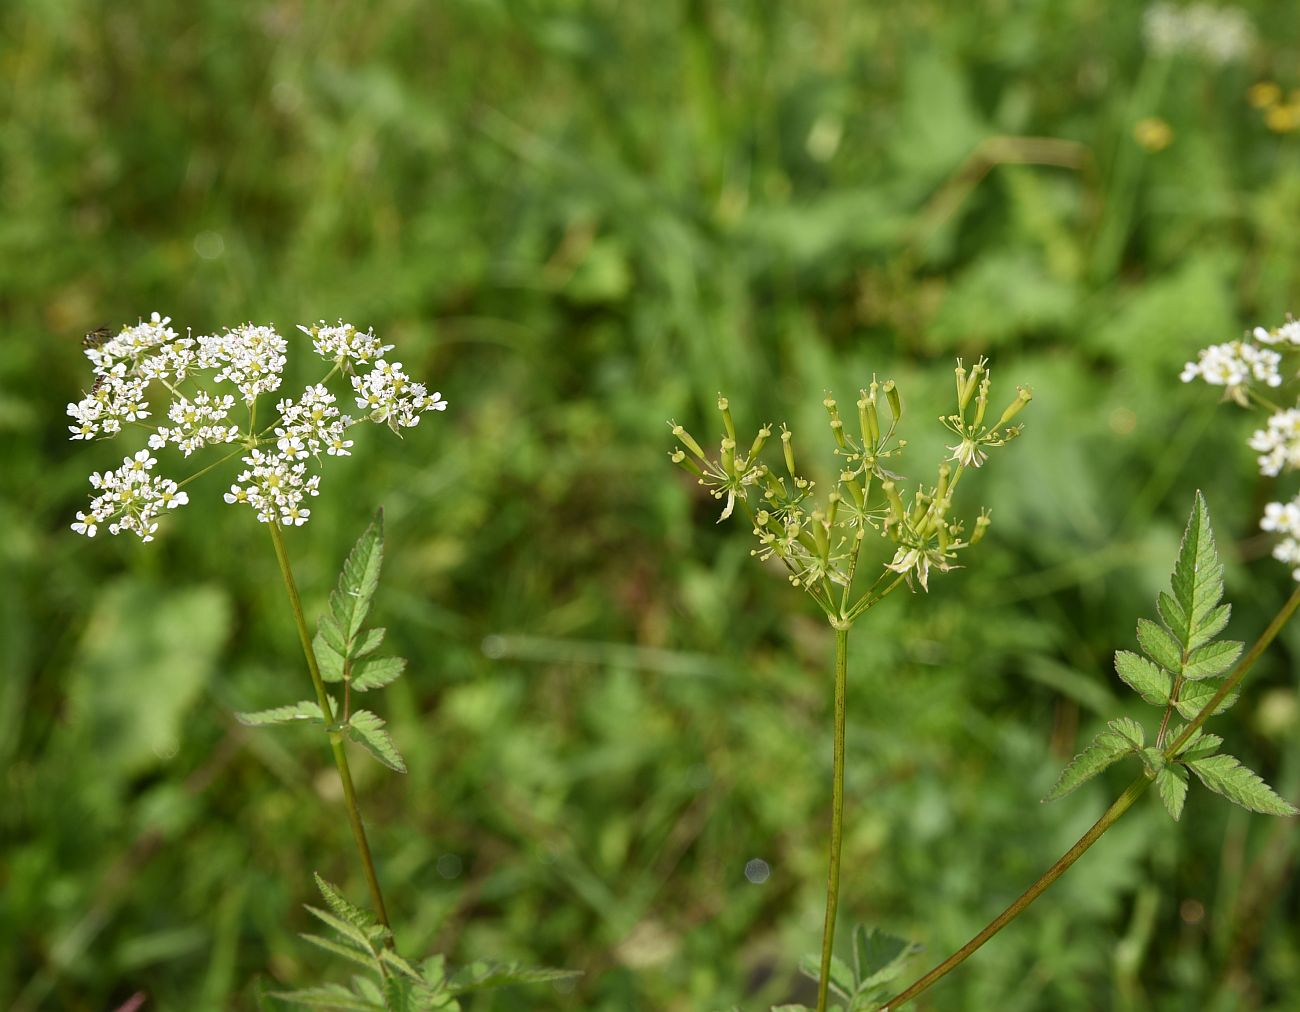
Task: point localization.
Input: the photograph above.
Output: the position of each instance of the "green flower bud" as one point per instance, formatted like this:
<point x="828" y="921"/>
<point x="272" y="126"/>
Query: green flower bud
<point x="1023" y="396"/>
<point x="689" y="440"/>
<point x="759" y="441"/>
<point x="895" y="400"/>
<point x="729" y="456"/>
<point x="788" y="449"/>
<point x="724" y="407"/>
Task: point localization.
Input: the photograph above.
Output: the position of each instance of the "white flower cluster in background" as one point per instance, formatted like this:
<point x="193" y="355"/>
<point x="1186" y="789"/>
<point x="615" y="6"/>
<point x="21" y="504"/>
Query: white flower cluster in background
<point x="1235" y="366"/>
<point x="276" y="452"/>
<point x="1239" y="366"/>
<point x="1217" y="35"/>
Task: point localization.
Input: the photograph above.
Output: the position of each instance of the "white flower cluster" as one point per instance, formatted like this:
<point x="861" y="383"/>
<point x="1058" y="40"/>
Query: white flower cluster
<point x="196" y="423"/>
<point x="275" y="481"/>
<point x="389" y="395"/>
<point x="1284" y="519"/>
<point x="250" y="357"/>
<point x="1217" y="35"/>
<point x="131" y="498"/>
<point x="1279" y="444"/>
<point x="344" y="344"/>
<point x="1234" y="365"/>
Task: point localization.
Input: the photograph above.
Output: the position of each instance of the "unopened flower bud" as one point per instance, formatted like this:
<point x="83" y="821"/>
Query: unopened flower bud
<point x="788" y="449"/>
<point x="895" y="500"/>
<point x="981" y="526"/>
<point x="678" y="457"/>
<point x="895" y="400"/>
<point x="689" y="440"/>
<point x="868" y="421"/>
<point x="724" y="407"/>
<point x="729" y="456"/>
<point x="982" y="403"/>
<point x="1023" y="396"/>
<point x="759" y="441"/>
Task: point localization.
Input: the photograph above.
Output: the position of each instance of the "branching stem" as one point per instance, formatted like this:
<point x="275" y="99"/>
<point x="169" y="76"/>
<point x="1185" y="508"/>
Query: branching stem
<point x="1108" y="819"/>
<point x="336" y="739"/>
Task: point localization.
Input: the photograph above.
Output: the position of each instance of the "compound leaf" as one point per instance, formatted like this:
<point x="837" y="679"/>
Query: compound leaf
<point x="359" y="579"/>
<point x="378" y="673"/>
<point x="1120" y="738"/>
<point x="1150" y="682"/>
<point x="306" y="710"/>
<point x="1225" y="775"/>
<point x="1171" y="782"/>
<point x="367" y="730"/>
<point x="481" y="975"/>
<point x="1194" y="695"/>
<point x="1159" y="645"/>
<point x="1211" y="659"/>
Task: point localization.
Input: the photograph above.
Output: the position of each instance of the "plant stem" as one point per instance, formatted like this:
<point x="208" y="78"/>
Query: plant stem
<point x="837" y="813"/>
<point x="1112" y="814"/>
<point x="1108" y="819"/>
<point x="336" y="739"/>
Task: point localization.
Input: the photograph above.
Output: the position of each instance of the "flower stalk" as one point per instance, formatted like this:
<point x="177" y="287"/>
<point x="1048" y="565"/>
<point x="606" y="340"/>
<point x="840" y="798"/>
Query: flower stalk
<point x="336" y="739"/>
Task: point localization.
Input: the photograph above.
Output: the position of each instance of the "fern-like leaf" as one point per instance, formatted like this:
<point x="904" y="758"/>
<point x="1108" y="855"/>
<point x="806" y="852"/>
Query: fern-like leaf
<point x="1171" y="783"/>
<point x="350" y="603"/>
<point x="1122" y="737"/>
<point x="1225" y="775"/>
<point x="292" y="714"/>
<point x="367" y="730"/>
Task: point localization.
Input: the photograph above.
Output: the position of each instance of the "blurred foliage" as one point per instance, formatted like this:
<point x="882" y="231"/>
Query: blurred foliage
<point x="581" y="218"/>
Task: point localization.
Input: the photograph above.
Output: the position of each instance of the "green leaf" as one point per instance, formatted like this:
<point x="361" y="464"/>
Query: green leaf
<point x="396" y="962"/>
<point x="348" y="911"/>
<point x="481" y="975"/>
<point x="1211" y="659"/>
<point x="1194" y="695"/>
<point x="365" y="959"/>
<point x="378" y="673"/>
<point x="328" y="630"/>
<point x="1173" y="616"/>
<point x="359" y="579"/>
<point x="306" y="710"/>
<point x="1224" y="775"/>
<point x="334" y="996"/>
<point x="1153" y="684"/>
<point x="1198" y="574"/>
<point x="878" y="956"/>
<point x="1214" y="624"/>
<point x="1127" y="730"/>
<point x="1120" y="738"/>
<point x="366" y="729"/>
<point x="368" y="643"/>
<point x="352" y="932"/>
<point x="1171" y="782"/>
<point x="841" y="981"/>
<point x="1198" y="746"/>
<point x="1153" y="759"/>
<point x="329" y="660"/>
<point x="1159" y="645"/>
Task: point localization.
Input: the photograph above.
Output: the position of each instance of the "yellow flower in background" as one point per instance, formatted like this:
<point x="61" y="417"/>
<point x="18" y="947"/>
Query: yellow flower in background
<point x="1153" y="133"/>
<point x="1283" y="119"/>
<point x="1264" y="95"/>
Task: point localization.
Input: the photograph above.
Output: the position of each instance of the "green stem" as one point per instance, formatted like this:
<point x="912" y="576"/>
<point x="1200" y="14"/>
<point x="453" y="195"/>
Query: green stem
<point x="336" y="739"/>
<point x="837" y="812"/>
<point x="1108" y="819"/>
<point x="1111" y="816"/>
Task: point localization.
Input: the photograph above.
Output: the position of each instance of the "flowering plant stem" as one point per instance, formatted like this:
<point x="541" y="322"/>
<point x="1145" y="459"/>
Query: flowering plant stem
<point x="336" y="739"/>
<point x="1112" y="814"/>
<point x="837" y="812"/>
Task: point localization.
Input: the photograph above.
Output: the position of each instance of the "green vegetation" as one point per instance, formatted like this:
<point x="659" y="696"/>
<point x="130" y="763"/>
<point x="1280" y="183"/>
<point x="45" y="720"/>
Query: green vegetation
<point x="576" y="220"/>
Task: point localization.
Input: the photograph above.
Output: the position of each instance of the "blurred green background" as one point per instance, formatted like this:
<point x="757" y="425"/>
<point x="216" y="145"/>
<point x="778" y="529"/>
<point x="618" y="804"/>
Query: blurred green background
<point x="578" y="219"/>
